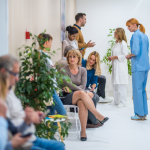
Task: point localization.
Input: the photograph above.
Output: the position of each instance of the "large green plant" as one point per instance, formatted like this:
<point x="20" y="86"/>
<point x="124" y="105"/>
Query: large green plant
<point x="37" y="84"/>
<point x="108" y="54"/>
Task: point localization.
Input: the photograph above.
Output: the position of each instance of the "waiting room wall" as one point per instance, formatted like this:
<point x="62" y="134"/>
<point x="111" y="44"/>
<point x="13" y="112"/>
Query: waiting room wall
<point x="36" y="16"/>
<point x="103" y="15"/>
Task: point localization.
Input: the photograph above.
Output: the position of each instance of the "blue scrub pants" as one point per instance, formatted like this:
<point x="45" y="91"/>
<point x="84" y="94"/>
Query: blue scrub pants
<point x="139" y="80"/>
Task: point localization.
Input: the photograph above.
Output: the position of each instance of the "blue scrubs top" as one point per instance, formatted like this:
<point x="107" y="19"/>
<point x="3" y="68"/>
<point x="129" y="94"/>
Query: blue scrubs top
<point x="91" y="77"/>
<point x="139" y="44"/>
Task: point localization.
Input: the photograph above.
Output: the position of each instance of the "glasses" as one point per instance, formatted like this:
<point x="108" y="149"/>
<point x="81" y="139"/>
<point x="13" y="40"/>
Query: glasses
<point x="13" y="73"/>
<point x="115" y="32"/>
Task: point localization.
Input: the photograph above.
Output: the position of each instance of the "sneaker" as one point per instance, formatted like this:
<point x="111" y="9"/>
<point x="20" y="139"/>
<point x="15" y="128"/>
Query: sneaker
<point x="105" y="100"/>
<point x="121" y="105"/>
<point x="136" y="117"/>
<point x="113" y="103"/>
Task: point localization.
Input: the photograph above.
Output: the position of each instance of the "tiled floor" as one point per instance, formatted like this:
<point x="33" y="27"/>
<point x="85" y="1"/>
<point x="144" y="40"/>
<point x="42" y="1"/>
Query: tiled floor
<point x="119" y="133"/>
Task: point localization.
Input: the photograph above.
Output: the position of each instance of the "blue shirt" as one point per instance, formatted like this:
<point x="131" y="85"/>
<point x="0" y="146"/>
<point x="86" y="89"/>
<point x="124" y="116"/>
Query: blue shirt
<point x="139" y="44"/>
<point x="91" y="77"/>
<point x="3" y="133"/>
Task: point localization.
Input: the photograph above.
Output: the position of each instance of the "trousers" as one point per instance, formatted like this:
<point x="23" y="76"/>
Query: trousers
<point x="120" y="93"/>
<point x="139" y="80"/>
<point x="58" y="106"/>
<point x="45" y="144"/>
<point x="101" y="86"/>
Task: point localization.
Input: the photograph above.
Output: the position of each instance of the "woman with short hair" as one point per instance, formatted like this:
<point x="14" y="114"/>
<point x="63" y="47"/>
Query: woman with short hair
<point x="78" y="96"/>
<point x="119" y="68"/>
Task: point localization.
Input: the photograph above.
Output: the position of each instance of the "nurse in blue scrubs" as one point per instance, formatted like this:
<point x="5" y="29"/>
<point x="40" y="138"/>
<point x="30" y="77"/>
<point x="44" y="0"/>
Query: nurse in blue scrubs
<point x="139" y="56"/>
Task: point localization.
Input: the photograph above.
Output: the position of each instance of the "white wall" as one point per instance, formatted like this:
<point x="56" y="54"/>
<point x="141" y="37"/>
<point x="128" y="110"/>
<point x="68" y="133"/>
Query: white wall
<point x="4" y="27"/>
<point x="103" y="15"/>
<point x="36" y="16"/>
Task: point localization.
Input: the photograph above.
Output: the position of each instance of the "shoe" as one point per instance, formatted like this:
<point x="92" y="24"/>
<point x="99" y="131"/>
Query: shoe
<point x="136" y="117"/>
<point x="102" y="122"/>
<point x="113" y="103"/>
<point x="121" y="105"/>
<point x="104" y="100"/>
<point x="83" y="138"/>
<point x="94" y="125"/>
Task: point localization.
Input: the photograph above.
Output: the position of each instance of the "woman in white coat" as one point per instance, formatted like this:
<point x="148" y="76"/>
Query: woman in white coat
<point x="71" y="40"/>
<point x="119" y="68"/>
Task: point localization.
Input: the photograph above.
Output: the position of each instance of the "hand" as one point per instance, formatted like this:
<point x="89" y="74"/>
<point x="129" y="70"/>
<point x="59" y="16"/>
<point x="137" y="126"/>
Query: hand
<point x="2" y="109"/>
<point x="90" y="94"/>
<point x="112" y="57"/>
<point x="32" y="116"/>
<point x="91" y="44"/>
<point x="41" y="115"/>
<point x="128" y="56"/>
<point x="66" y="89"/>
<point x="18" y="141"/>
<point x="93" y="87"/>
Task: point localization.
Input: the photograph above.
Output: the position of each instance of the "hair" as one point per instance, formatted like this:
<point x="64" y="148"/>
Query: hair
<point x="3" y="85"/>
<point x="135" y="21"/>
<point x="7" y="62"/>
<point x="79" y="15"/>
<point x="121" y="35"/>
<point x="75" y="53"/>
<point x="67" y="49"/>
<point x="42" y="38"/>
<point x="71" y="30"/>
<point x="96" y="66"/>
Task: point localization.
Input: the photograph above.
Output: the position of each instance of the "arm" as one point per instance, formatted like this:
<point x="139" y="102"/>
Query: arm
<point x="3" y="133"/>
<point x="83" y="79"/>
<point x="124" y="52"/>
<point x="94" y="82"/>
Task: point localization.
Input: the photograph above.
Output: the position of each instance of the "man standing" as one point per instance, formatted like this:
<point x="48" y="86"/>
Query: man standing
<point x="80" y="22"/>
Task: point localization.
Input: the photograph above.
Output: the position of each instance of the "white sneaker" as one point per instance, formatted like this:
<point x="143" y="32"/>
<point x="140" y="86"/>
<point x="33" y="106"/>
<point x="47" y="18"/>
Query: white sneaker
<point x="121" y="105"/>
<point x="106" y="100"/>
<point x="113" y="103"/>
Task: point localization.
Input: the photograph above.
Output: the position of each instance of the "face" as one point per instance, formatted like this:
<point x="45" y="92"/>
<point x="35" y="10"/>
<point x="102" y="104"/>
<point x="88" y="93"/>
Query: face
<point x="83" y="21"/>
<point x="73" y="36"/>
<point x="92" y="60"/>
<point x="132" y="27"/>
<point x="115" y="34"/>
<point x="14" y="76"/>
<point x="48" y="44"/>
<point x="73" y="60"/>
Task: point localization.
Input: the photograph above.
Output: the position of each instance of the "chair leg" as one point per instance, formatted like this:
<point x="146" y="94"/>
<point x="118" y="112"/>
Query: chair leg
<point x="76" y="121"/>
<point x="59" y="128"/>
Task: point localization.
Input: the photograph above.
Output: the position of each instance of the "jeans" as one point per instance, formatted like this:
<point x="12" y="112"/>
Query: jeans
<point x="45" y="144"/>
<point x="101" y="86"/>
<point x="58" y="106"/>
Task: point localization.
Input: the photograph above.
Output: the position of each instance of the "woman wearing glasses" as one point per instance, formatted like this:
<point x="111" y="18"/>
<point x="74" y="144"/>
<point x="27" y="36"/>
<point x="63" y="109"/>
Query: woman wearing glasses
<point x="119" y="68"/>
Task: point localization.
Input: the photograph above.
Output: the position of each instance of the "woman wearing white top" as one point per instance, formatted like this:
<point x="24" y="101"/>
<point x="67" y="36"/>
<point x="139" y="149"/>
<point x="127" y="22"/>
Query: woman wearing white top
<point x="71" y="40"/>
<point x="119" y="68"/>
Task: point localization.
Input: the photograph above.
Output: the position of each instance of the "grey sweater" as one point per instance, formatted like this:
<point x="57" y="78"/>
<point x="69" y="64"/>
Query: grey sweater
<point x="78" y="81"/>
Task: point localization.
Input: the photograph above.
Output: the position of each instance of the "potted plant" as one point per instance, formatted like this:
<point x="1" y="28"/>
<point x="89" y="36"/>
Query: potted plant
<point x="36" y="84"/>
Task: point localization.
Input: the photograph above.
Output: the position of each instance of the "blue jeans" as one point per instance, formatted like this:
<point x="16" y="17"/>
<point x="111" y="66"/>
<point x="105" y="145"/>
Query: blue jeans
<point x="58" y="106"/>
<point x="45" y="144"/>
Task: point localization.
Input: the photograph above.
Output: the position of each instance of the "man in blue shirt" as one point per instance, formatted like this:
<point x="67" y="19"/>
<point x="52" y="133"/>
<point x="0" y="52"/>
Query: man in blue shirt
<point x="139" y="44"/>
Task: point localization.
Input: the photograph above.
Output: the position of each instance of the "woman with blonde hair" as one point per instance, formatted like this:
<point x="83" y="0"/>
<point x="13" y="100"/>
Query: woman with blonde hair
<point x="119" y="68"/>
<point x="139" y="56"/>
<point x="79" y="96"/>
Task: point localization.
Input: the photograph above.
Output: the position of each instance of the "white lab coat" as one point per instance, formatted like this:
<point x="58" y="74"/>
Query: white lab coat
<point x="119" y="66"/>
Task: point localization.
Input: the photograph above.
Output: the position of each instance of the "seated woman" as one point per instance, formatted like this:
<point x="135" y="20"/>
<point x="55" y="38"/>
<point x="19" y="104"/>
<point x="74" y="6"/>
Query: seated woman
<point x="71" y="40"/>
<point x="79" y="96"/>
<point x="58" y="104"/>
